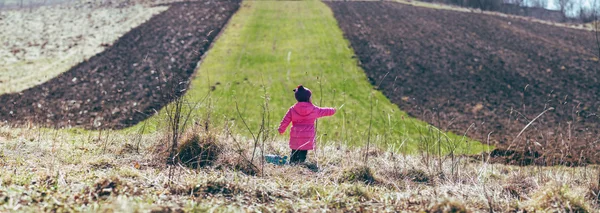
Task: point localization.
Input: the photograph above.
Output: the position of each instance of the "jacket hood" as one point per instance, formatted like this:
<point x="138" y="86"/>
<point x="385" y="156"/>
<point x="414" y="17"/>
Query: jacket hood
<point x="304" y="108"/>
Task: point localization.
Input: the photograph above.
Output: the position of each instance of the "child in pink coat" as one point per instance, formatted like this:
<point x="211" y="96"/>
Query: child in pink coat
<point x="302" y="115"/>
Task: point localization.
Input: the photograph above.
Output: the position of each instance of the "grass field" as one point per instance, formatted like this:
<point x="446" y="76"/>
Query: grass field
<point x="269" y="48"/>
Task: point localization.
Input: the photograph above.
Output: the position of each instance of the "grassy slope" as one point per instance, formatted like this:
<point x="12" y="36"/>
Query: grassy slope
<point x="270" y="47"/>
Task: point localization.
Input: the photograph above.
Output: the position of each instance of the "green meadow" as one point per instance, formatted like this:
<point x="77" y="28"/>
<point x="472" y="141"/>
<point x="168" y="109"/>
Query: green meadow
<point x="270" y="47"/>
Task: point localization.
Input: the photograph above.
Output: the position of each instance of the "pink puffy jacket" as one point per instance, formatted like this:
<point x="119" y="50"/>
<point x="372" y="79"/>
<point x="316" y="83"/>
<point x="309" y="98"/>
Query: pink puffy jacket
<point x="303" y="116"/>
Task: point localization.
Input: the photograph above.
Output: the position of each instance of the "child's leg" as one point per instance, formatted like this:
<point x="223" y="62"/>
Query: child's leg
<point x="295" y="156"/>
<point x="298" y="156"/>
<point x="302" y="156"/>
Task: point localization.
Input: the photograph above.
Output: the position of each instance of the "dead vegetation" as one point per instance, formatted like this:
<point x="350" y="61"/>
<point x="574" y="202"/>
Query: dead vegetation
<point x="48" y="170"/>
<point x="520" y="186"/>
<point x="198" y="150"/>
<point x="556" y="197"/>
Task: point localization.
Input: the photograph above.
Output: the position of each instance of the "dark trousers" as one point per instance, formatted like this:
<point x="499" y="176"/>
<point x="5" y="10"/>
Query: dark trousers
<point x="298" y="156"/>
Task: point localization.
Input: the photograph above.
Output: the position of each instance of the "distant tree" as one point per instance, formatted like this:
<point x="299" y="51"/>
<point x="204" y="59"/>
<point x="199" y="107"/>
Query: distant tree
<point x="586" y="14"/>
<point x="538" y="3"/>
<point x="515" y="2"/>
<point x="492" y="5"/>
<point x="521" y="7"/>
<point x="564" y="6"/>
<point x="456" y="2"/>
<point x="519" y="3"/>
<point x="517" y="7"/>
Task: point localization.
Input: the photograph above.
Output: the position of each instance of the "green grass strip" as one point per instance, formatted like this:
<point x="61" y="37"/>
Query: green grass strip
<point x="268" y="48"/>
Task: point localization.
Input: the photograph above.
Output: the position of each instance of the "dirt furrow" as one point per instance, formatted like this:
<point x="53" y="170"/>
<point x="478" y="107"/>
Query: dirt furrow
<point x="139" y="74"/>
<point x="483" y="75"/>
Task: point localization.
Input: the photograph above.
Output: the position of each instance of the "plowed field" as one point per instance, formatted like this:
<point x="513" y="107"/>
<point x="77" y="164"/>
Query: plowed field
<point x="140" y="73"/>
<point x="486" y="76"/>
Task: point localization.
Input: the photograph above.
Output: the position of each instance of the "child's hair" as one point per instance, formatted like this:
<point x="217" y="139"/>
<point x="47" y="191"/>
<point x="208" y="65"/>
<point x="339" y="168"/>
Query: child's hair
<point x="302" y="94"/>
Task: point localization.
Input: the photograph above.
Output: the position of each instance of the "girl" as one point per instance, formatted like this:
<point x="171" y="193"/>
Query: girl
<point x="302" y="115"/>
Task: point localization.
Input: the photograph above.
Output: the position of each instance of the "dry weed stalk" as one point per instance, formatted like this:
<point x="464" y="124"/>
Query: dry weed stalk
<point x="263" y="133"/>
<point x="371" y="119"/>
<point x="177" y="121"/>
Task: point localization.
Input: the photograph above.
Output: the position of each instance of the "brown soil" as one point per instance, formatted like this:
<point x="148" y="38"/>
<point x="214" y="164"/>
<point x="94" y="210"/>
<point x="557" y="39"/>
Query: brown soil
<point x="484" y="75"/>
<point x="142" y="72"/>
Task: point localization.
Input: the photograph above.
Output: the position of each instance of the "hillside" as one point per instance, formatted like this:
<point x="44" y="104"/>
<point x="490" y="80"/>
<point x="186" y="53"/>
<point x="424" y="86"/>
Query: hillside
<point x="483" y="75"/>
<point x="246" y="79"/>
<point x="100" y="136"/>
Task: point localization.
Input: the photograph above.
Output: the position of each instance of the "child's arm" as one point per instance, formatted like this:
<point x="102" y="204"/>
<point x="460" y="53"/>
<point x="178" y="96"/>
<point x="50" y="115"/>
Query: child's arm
<point x="286" y="121"/>
<point x="326" y="111"/>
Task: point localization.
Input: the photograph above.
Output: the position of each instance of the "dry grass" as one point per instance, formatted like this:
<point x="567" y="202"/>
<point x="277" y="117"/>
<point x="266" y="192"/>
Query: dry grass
<point x="49" y="170"/>
<point x="198" y="150"/>
<point x="447" y="206"/>
<point x="556" y="197"/>
<point x="361" y="174"/>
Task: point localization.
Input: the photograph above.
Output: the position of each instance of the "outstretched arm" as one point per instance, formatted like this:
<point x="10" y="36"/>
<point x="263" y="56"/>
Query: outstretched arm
<point x="285" y="122"/>
<point x="326" y="112"/>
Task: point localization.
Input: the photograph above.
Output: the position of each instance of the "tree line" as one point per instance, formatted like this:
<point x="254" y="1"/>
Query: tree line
<point x="567" y="10"/>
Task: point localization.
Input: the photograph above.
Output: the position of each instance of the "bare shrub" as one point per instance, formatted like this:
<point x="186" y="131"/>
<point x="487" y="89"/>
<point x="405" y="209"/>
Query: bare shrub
<point x="198" y="150"/>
